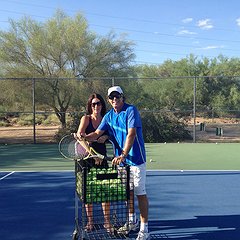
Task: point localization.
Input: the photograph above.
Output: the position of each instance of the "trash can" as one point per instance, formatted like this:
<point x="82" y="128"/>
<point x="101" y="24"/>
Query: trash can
<point x="219" y="131"/>
<point x="202" y="126"/>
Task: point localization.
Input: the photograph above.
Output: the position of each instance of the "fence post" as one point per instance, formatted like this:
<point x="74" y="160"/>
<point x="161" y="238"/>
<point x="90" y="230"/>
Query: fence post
<point x="113" y="81"/>
<point x="202" y="126"/>
<point x="34" y="111"/>
<point x="194" y="110"/>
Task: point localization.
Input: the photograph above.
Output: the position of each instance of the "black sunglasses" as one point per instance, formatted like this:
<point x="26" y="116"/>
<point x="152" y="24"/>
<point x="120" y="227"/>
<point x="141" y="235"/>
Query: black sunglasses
<point x="117" y="96"/>
<point x="96" y="103"/>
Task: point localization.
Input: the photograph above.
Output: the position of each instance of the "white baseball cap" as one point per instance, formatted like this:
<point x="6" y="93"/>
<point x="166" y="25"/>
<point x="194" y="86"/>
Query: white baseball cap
<point x="115" y="89"/>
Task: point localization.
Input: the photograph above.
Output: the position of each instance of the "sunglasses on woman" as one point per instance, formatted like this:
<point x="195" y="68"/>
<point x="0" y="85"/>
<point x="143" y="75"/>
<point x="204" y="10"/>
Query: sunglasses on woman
<point x="96" y="104"/>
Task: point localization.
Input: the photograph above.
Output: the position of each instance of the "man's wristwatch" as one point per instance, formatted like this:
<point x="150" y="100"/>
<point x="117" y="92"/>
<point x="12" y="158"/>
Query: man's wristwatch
<point x="123" y="155"/>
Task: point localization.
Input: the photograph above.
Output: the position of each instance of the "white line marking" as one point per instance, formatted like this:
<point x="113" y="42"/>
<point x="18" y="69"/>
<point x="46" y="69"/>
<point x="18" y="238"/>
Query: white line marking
<point x="7" y="175"/>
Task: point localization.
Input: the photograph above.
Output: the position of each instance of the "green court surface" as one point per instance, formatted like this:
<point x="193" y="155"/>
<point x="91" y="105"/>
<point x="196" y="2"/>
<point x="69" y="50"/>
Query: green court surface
<point x="160" y="156"/>
<point x="193" y="156"/>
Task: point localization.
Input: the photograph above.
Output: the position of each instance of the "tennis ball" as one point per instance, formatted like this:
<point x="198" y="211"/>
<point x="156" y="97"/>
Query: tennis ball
<point x="118" y="181"/>
<point x="91" y="183"/>
<point x="111" y="181"/>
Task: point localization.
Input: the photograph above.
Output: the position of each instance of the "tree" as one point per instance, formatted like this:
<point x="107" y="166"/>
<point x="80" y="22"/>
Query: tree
<point x="62" y="47"/>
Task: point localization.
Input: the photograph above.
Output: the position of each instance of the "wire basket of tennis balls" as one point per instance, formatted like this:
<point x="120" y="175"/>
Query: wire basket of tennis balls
<point x="102" y="185"/>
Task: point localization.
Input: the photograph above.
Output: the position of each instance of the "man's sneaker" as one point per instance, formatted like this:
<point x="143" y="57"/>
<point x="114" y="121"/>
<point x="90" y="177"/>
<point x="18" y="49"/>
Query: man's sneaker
<point x="127" y="227"/>
<point x="143" y="236"/>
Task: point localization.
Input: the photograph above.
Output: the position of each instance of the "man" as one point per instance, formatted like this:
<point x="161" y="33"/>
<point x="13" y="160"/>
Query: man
<point x="123" y="123"/>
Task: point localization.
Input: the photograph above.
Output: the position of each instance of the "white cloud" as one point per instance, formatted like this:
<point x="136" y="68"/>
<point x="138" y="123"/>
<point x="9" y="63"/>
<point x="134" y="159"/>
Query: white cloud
<point x="205" y="24"/>
<point x="186" y="32"/>
<point x="238" y="21"/>
<point x="211" y="47"/>
<point x="187" y="20"/>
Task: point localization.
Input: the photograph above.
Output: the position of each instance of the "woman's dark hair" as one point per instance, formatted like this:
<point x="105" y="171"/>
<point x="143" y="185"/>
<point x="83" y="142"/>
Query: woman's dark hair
<point x="89" y="103"/>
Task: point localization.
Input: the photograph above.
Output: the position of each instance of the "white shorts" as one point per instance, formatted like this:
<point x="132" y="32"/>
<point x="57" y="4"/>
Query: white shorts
<point x="138" y="179"/>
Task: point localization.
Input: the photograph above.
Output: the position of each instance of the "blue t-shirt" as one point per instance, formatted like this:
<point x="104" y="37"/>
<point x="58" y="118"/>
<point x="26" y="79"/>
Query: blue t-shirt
<point x="118" y="124"/>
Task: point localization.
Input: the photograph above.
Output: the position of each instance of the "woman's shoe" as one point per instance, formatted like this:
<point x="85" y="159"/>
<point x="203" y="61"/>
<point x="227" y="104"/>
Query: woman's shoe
<point x="109" y="227"/>
<point x="89" y="227"/>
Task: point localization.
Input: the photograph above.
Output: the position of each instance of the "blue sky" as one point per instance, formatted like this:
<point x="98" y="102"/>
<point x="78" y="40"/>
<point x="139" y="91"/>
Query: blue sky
<point x="160" y="29"/>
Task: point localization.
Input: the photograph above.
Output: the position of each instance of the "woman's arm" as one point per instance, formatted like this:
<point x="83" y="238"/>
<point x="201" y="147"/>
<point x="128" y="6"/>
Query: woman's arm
<point x="82" y="126"/>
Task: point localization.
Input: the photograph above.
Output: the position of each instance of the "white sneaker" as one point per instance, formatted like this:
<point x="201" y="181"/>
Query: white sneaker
<point x="127" y="227"/>
<point x="143" y="236"/>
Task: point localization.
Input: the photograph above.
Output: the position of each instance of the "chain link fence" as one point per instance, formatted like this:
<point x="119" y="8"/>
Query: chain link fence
<point x="34" y="110"/>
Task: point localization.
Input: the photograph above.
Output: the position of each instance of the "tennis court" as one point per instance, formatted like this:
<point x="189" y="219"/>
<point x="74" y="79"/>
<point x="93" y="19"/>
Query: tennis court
<point x="37" y="192"/>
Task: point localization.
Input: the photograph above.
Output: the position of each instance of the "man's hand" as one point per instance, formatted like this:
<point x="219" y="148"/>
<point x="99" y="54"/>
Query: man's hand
<point x="118" y="160"/>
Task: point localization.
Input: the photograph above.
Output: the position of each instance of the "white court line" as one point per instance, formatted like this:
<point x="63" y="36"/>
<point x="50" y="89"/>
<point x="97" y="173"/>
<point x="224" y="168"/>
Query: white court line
<point x="7" y="175"/>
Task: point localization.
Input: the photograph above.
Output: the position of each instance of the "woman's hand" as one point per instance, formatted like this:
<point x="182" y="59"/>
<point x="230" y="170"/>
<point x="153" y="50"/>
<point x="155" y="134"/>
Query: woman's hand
<point x="98" y="161"/>
<point x="80" y="135"/>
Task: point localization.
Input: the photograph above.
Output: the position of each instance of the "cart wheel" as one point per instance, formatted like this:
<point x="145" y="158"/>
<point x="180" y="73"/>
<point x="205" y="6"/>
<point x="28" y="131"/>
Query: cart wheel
<point x="75" y="235"/>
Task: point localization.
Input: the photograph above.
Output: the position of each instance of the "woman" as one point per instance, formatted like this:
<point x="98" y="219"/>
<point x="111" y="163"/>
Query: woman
<point x="96" y="109"/>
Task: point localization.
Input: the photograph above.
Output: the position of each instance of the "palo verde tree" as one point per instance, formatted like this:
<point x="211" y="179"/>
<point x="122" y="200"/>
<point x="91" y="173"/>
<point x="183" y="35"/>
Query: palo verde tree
<point x="62" y="47"/>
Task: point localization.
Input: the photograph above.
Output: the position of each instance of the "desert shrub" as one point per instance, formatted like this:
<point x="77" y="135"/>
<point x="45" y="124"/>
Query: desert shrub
<point x="25" y="120"/>
<point x="51" y="119"/>
<point x="163" y="127"/>
<point x="4" y="124"/>
<point x="72" y="125"/>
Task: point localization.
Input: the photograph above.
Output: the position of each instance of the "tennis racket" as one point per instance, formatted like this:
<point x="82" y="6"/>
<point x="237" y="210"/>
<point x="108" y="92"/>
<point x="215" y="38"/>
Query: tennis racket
<point x="76" y="149"/>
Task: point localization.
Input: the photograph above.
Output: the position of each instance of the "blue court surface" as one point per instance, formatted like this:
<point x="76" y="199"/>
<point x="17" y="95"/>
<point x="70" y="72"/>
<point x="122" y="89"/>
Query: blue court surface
<point x="183" y="205"/>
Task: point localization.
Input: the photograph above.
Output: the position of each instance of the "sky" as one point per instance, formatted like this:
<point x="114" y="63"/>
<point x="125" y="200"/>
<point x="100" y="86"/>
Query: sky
<point x="160" y="29"/>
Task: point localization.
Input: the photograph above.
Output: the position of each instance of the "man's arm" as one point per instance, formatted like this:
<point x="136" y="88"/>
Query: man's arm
<point x="132" y="132"/>
<point x="93" y="135"/>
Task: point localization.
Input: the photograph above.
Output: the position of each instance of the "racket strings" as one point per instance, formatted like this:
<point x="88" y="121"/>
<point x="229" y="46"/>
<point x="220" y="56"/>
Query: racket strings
<point x="75" y="149"/>
<point x="80" y="151"/>
<point x="69" y="147"/>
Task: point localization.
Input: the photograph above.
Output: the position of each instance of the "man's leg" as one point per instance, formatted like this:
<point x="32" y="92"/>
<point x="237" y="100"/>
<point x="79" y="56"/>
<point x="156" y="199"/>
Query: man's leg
<point x="143" y="207"/>
<point x="143" y="234"/>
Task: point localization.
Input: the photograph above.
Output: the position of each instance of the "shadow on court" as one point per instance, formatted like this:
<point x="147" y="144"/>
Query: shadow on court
<point x="204" y="206"/>
<point x="202" y="228"/>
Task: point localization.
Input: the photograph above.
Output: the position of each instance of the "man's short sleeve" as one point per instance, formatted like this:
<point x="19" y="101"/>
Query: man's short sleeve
<point x="103" y="126"/>
<point x="134" y="119"/>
